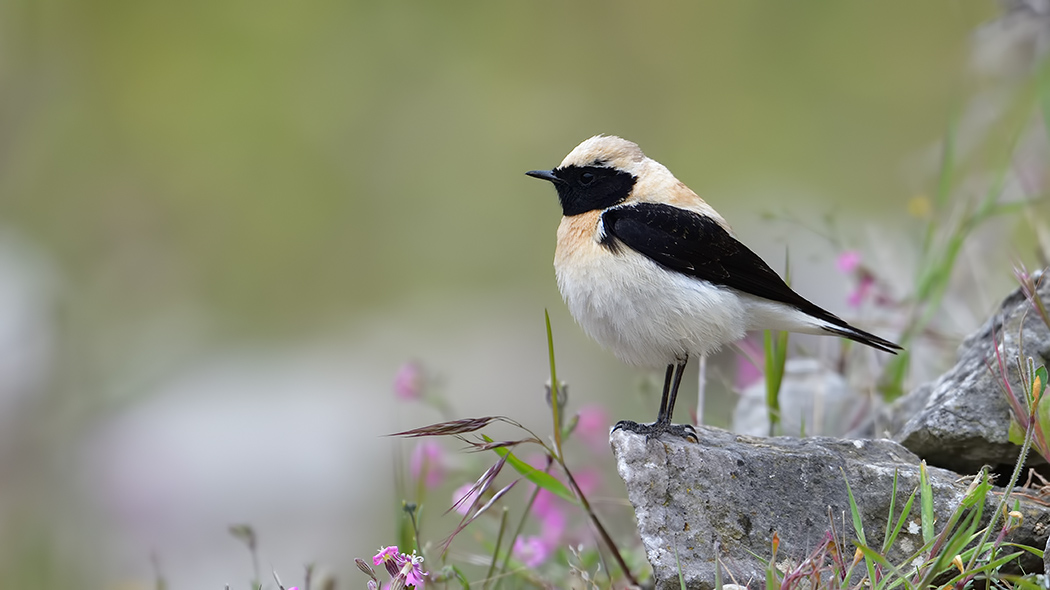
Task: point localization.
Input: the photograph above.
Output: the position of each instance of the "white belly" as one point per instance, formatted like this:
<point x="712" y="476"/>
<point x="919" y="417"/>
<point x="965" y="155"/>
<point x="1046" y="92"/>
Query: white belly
<point x="644" y="314"/>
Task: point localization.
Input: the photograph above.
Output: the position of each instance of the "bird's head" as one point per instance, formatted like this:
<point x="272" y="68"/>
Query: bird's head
<point x="597" y="174"/>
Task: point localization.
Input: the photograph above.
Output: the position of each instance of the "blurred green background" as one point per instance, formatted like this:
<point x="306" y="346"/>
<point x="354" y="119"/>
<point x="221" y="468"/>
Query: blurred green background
<point x="290" y="199"/>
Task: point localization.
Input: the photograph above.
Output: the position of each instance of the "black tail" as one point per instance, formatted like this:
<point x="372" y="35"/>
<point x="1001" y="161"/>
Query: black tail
<point x="857" y="335"/>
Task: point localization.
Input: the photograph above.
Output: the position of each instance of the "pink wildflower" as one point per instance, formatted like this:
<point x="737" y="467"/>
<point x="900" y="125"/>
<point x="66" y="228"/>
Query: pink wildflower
<point x="588" y="479"/>
<point x="848" y="261"/>
<point x="427" y="463"/>
<point x="388" y="557"/>
<point x="531" y="551"/>
<point x="552" y="525"/>
<point x="543" y="503"/>
<point x="593" y="428"/>
<point x="413" y="569"/>
<point x="408" y="383"/>
<point x="409" y="568"/>
<point x="463" y="498"/>
<point x="864" y="287"/>
<point x="749" y="362"/>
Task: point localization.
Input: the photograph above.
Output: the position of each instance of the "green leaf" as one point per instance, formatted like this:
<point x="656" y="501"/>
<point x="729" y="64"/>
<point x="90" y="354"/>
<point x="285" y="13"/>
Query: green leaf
<point x="871" y="554"/>
<point x="1016" y="434"/>
<point x="541" y="478"/>
<point x="1038" y="391"/>
<point x="926" y="503"/>
<point x="858" y="525"/>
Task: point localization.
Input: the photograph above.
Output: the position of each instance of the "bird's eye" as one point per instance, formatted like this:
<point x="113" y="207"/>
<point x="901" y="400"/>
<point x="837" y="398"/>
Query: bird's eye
<point x="586" y="178"/>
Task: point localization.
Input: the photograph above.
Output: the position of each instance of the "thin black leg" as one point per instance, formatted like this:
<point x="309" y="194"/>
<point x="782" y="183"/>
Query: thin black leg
<point x="679" y="371"/>
<point x="672" y="380"/>
<point x="663" y="398"/>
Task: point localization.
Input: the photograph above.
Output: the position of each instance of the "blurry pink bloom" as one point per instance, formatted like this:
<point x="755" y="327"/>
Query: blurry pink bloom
<point x="531" y="551"/>
<point x="408" y="383"/>
<point x="746" y="373"/>
<point x="427" y="463"/>
<point x="552" y="525"/>
<point x="593" y="427"/>
<point x="864" y="287"/>
<point x="462" y="498"/>
<point x="848" y="261"/>
<point x="543" y="503"/>
<point x="589" y="480"/>
<point x="749" y="362"/>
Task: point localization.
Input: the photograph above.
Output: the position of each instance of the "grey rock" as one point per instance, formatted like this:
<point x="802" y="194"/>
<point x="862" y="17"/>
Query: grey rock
<point x="1046" y="556"/>
<point x="737" y="490"/>
<point x="961" y="421"/>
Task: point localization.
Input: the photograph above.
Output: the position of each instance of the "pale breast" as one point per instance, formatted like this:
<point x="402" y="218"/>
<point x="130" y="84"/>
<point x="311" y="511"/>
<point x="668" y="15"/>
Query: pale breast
<point x="642" y="312"/>
<point x="576" y="244"/>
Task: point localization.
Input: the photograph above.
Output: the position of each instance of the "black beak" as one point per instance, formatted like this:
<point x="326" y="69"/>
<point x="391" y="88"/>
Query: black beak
<point x="544" y="175"/>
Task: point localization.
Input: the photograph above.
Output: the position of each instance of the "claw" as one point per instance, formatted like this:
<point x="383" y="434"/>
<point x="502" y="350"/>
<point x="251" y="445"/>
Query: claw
<point x="656" y="429"/>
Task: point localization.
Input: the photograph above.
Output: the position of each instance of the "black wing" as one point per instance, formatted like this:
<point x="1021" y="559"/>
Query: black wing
<point x="698" y="246"/>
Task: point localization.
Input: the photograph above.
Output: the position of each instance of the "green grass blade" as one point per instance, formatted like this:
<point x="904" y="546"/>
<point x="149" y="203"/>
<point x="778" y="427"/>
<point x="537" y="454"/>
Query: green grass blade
<point x="991" y="565"/>
<point x="555" y="406"/>
<point x="678" y="567"/>
<point x="926" y="503"/>
<point x="776" y="357"/>
<point x="892" y="537"/>
<point x="878" y="558"/>
<point x="889" y="518"/>
<point x="536" y="476"/>
<point x="858" y="526"/>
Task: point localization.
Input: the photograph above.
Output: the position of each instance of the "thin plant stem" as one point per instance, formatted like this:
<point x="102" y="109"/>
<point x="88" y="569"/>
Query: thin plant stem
<point x="1018" y="467"/>
<point x="555" y="409"/>
<point x="495" y="552"/>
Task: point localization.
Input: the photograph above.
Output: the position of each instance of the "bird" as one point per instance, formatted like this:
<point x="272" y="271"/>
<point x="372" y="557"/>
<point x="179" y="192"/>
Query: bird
<point x="654" y="274"/>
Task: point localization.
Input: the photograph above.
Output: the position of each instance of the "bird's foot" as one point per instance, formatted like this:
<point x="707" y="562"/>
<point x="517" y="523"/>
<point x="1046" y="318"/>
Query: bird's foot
<point x="655" y="429"/>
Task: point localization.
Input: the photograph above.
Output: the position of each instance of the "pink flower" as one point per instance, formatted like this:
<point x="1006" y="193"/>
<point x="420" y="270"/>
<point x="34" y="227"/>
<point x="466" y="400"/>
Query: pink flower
<point x="408" y="383"/>
<point x="848" y="261"/>
<point x="531" y="551"/>
<point x="427" y="463"/>
<point x="463" y="498"/>
<point x="413" y="569"/>
<point x="593" y="427"/>
<point x="388" y="557"/>
<point x="864" y="287"/>
<point x="409" y="568"/>
<point x="589" y="480"/>
<point x="543" y="503"/>
<point x="749" y="363"/>
<point x="552" y="525"/>
<point x="746" y="373"/>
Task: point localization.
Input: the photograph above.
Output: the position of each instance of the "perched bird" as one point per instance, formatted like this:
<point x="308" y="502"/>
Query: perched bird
<point x="654" y="274"/>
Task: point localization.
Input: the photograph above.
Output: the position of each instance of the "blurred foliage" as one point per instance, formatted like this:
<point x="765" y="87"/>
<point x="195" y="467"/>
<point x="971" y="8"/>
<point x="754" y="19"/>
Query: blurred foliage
<point x="280" y="162"/>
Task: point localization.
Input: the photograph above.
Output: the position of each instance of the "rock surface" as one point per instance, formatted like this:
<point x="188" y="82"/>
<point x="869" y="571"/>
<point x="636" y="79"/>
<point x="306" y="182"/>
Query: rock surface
<point x="961" y="420"/>
<point x="737" y="490"/>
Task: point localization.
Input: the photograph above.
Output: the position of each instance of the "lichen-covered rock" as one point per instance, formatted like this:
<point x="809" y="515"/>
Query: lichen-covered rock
<point x="736" y="491"/>
<point x="961" y="421"/>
